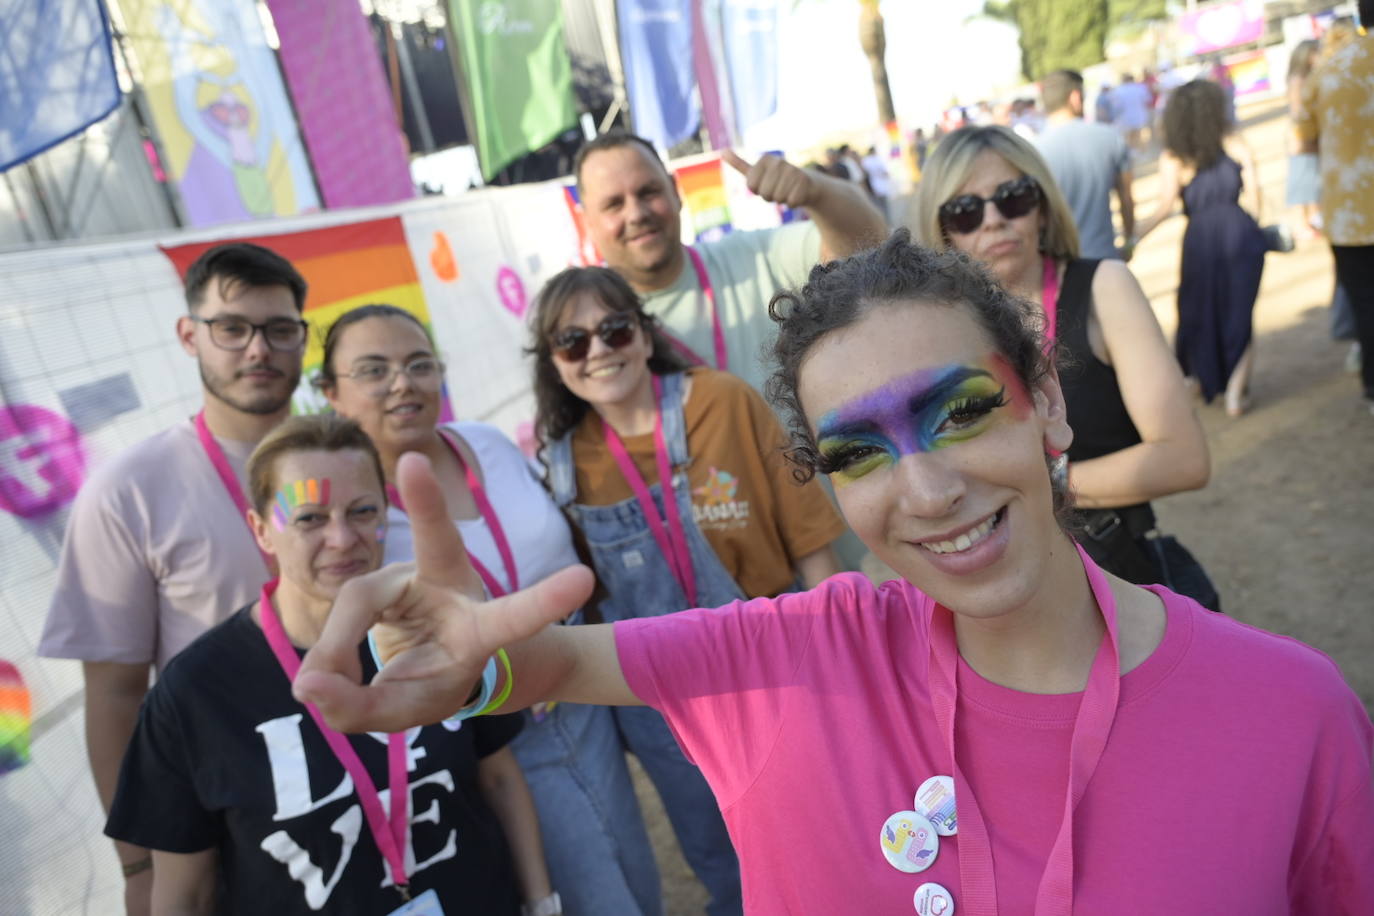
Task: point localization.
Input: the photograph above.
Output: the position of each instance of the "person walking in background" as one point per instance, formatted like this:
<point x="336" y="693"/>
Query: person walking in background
<point x="1131" y="111"/>
<point x="380" y="369"/>
<point x="158" y="549"/>
<point x="989" y="194"/>
<point x="1089" y="162"/>
<point x="879" y="179"/>
<point x="1103" y="106"/>
<point x="1208" y="165"/>
<point x="712" y="298"/>
<point x="1304" y="172"/>
<point x="1336" y="122"/>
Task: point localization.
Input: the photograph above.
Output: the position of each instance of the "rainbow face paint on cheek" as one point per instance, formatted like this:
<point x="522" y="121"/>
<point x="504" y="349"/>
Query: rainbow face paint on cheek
<point x="920" y="412"/>
<point x="298" y="492"/>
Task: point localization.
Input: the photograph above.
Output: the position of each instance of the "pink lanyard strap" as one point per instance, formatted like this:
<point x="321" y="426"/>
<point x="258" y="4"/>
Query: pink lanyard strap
<point x="389" y="836"/>
<point x="1093" y="724"/>
<point x="498" y="534"/>
<point x="1049" y="300"/>
<point x="717" y="332"/>
<point x="230" y="481"/>
<point x="674" y="547"/>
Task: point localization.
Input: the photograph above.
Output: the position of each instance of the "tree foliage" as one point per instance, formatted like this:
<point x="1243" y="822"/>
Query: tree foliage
<point x="1072" y="34"/>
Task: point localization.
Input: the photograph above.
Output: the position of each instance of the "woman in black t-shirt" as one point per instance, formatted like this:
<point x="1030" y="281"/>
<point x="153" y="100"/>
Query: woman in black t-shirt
<point x="250" y="804"/>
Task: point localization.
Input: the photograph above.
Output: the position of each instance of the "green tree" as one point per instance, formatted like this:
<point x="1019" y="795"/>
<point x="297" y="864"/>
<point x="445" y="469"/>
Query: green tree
<point x="1055" y="34"/>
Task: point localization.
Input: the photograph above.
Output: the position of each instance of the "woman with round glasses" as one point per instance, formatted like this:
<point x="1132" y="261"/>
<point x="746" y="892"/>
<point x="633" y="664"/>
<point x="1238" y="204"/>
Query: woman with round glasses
<point x="1003" y="729"/>
<point x="675" y="480"/>
<point x="988" y="193"/>
<point x="380" y="369"/>
<point x="1208" y="164"/>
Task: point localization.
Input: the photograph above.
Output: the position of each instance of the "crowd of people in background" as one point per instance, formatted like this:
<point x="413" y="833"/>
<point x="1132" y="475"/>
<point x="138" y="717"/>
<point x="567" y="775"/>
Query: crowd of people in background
<point x="357" y="663"/>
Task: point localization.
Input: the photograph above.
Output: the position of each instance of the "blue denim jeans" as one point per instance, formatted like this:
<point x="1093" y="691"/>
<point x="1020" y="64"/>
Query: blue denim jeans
<point x="639" y="583"/>
<point x="599" y="855"/>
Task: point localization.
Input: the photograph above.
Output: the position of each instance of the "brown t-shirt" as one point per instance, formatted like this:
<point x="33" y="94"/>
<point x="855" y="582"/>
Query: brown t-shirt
<point x="755" y="516"/>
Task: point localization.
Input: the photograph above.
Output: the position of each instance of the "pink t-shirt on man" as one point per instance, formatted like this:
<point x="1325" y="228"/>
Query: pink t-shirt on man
<point x="1236" y="779"/>
<point x="155" y="554"/>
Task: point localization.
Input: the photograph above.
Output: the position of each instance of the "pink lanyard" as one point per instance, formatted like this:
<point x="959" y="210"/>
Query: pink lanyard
<point x="674" y="546"/>
<point x="1096" y="713"/>
<point x="717" y="332"/>
<point x="231" y="482"/>
<point x="389" y="836"/>
<point x="498" y="534"/>
<point x="1049" y="300"/>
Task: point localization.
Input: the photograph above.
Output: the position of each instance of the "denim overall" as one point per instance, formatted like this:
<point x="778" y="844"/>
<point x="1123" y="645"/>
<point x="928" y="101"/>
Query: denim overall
<point x="640" y="583"/>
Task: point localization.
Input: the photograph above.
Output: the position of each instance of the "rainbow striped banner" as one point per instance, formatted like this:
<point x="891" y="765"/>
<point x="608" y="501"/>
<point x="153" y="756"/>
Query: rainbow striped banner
<point x="703" y="191"/>
<point x="16" y="715"/>
<point x="346" y="266"/>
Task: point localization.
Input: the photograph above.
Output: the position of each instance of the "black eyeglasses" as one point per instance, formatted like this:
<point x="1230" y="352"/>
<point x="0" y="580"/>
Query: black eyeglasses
<point x="615" y="330"/>
<point x="233" y="333"/>
<point x="964" y="214"/>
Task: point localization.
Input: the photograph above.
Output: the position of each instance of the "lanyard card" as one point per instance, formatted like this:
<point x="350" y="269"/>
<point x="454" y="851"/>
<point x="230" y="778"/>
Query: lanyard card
<point x="427" y="904"/>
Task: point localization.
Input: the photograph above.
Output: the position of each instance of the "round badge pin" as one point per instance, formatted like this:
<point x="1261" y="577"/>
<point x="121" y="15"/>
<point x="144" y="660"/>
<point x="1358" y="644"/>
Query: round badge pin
<point x="935" y="802"/>
<point x="933" y="900"/>
<point x="909" y="842"/>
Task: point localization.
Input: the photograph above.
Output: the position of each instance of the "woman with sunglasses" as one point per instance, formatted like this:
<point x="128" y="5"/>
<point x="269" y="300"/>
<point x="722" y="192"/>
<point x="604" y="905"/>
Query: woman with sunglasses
<point x="251" y="803"/>
<point x="380" y="369"/>
<point x="675" y="480"/>
<point x="1003" y="729"/>
<point x="988" y="193"/>
<point x="1208" y="164"/>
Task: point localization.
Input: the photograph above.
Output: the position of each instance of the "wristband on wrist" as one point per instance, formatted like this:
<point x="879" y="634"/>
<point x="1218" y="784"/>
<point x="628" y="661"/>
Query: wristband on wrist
<point x="504" y="695"/>
<point x="134" y="868"/>
<point x="551" y="905"/>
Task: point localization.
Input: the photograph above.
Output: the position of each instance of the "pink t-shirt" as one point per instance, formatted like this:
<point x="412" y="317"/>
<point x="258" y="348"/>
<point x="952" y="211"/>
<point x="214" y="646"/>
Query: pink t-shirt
<point x="1236" y="779"/>
<point x="155" y="554"/>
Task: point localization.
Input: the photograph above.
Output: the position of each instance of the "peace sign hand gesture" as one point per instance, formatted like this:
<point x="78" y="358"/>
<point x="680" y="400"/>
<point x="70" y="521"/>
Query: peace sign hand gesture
<point x="434" y="631"/>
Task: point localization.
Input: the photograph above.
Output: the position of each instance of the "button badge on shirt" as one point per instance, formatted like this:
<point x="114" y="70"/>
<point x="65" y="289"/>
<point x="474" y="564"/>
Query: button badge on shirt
<point x="935" y="802"/>
<point x="933" y="900"/>
<point x="909" y="841"/>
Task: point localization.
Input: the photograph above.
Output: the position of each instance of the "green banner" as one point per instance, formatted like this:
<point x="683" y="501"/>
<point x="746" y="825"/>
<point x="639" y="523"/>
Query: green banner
<point x="518" y="75"/>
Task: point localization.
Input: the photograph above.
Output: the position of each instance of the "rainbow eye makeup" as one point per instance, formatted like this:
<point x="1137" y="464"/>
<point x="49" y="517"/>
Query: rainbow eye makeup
<point x="297" y="493"/>
<point x="921" y="412"/>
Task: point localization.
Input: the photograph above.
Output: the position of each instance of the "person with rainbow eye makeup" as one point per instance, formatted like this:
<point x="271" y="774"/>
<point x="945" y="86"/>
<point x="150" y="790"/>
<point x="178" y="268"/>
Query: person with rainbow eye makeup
<point x="251" y="803"/>
<point x="1006" y="727"/>
<point x="990" y="194"/>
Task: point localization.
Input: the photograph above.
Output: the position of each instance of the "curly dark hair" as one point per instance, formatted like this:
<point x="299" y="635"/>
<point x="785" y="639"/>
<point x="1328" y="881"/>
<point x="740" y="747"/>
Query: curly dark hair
<point x="840" y="293"/>
<point x="558" y="410"/>
<point x="1196" y="120"/>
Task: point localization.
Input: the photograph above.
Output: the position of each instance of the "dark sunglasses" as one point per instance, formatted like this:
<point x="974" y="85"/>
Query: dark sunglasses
<point x="616" y="331"/>
<point x="964" y="214"/>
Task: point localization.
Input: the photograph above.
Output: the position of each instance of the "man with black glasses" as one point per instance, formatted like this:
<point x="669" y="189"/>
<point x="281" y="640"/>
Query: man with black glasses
<point x="158" y="548"/>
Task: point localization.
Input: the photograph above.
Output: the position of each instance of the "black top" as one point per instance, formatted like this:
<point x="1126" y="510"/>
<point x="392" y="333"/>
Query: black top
<point x="224" y="758"/>
<point x="1092" y="397"/>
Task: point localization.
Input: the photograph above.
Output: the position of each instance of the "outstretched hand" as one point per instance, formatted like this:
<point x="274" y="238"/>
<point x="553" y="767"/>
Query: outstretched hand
<point x="434" y="633"/>
<point x="775" y="179"/>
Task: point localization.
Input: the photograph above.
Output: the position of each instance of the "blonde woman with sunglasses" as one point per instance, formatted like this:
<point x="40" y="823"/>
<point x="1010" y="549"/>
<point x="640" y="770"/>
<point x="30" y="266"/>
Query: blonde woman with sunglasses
<point x="988" y="193"/>
<point x="676" y="481"/>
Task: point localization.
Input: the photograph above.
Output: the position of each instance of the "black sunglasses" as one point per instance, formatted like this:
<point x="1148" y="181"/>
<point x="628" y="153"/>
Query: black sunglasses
<point x="964" y="214"/>
<point x="615" y="330"/>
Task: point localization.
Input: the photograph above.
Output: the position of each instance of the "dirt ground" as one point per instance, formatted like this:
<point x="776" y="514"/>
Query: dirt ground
<point x="1284" y="527"/>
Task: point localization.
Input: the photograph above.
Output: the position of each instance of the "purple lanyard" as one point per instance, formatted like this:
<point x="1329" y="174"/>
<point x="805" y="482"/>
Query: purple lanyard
<point x="390" y="836"/>
<point x="673" y="545"/>
<point x="1049" y="300"/>
<point x="717" y="332"/>
<point x="231" y="483"/>
<point x="1096" y="713"/>
<point x="498" y="534"/>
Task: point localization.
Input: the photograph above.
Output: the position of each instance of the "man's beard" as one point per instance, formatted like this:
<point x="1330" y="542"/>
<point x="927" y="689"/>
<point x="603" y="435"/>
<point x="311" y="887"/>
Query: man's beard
<point x="261" y="404"/>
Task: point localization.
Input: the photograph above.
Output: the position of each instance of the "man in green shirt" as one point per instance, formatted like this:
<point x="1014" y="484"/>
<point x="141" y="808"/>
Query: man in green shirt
<point x="631" y="208"/>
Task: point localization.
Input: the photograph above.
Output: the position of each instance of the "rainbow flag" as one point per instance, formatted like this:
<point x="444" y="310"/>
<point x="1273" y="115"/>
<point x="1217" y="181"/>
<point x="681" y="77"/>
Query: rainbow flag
<point x="16" y="714"/>
<point x="346" y="266"/>
<point x="703" y="191"/>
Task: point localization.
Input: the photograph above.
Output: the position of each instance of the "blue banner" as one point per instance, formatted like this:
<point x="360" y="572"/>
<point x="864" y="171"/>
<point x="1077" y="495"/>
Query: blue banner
<point x="57" y="74"/>
<point x="750" y="29"/>
<point x="656" y="48"/>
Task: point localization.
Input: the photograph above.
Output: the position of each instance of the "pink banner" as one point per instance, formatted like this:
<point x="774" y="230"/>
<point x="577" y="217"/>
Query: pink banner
<point x="342" y="101"/>
<point x="1222" y="25"/>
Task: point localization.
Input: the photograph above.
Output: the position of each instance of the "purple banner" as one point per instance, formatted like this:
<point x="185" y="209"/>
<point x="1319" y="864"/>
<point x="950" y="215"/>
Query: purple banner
<point x="342" y="101"/>
<point x="656" y="46"/>
<point x="1223" y="25"/>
